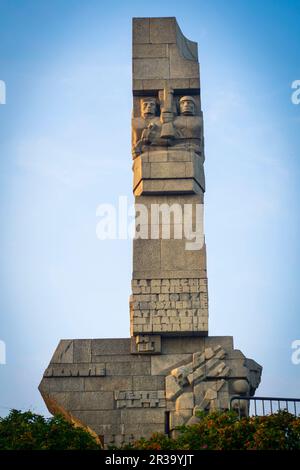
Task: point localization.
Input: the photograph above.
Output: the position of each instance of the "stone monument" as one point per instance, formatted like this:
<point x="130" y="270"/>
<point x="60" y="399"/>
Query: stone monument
<point x="122" y="389"/>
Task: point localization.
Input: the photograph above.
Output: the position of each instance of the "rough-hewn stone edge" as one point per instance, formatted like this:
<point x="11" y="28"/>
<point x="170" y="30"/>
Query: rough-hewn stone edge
<point x="54" y="408"/>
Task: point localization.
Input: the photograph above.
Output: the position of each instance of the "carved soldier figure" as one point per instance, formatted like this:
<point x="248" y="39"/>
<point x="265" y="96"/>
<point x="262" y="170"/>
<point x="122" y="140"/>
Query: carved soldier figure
<point x="188" y="126"/>
<point x="179" y="132"/>
<point x="145" y="129"/>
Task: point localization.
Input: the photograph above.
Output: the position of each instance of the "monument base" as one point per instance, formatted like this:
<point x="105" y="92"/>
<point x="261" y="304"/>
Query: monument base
<point x="121" y="394"/>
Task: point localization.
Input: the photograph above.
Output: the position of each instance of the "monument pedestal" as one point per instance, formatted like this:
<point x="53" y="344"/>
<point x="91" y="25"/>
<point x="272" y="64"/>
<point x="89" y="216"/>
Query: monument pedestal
<point x="119" y="395"/>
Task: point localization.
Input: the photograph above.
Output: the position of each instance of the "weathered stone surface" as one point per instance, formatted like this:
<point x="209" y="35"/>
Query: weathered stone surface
<point x="183" y="346"/>
<point x="82" y="400"/>
<point x="173" y="389"/>
<point x="168" y="186"/>
<point x="240" y="387"/>
<point x="162" y="365"/>
<point x="65" y="384"/>
<point x="64" y="352"/>
<point x="169" y="274"/>
<point x="94" y="384"/>
<point x="99" y="417"/>
<point x="142" y="416"/>
<point x="82" y="350"/>
<point x="143" y="383"/>
<point x="141" y="30"/>
<point x="110" y="346"/>
<point x="178" y="418"/>
<point x="128" y="368"/>
<point x="152" y="382"/>
<point x="142" y="51"/>
<point x="185" y="401"/>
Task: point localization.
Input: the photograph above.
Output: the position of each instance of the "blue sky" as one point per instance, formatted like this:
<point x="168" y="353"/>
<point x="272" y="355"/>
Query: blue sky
<point x="65" y="149"/>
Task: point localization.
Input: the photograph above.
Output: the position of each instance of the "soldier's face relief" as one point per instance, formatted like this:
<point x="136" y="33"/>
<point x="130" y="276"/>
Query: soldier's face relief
<point x="148" y="108"/>
<point x="187" y="108"/>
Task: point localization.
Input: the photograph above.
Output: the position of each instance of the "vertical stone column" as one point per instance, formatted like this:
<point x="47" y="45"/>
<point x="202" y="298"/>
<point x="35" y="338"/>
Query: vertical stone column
<point x="169" y="281"/>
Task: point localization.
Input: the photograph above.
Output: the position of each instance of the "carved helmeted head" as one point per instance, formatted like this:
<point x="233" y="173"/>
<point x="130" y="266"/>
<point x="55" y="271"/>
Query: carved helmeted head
<point x="148" y="107"/>
<point x="187" y="106"/>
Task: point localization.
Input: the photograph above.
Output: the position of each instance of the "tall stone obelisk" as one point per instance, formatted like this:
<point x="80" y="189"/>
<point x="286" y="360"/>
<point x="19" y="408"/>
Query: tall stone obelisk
<point x="169" y="272"/>
<point x="125" y="388"/>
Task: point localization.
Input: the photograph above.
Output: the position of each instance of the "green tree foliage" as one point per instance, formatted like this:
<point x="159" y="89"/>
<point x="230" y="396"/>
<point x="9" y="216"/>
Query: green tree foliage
<point x="215" y="431"/>
<point x="225" y="431"/>
<point x="29" y="431"/>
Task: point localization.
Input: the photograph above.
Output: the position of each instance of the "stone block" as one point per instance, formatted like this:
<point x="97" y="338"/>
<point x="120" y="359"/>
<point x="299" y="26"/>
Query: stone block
<point x="180" y="83"/>
<point x="146" y="254"/>
<point x="123" y="358"/>
<point x="146" y="382"/>
<point x="151" y="68"/>
<point x="168" y="170"/>
<point x="110" y="346"/>
<point x="199" y="392"/>
<point x="237" y="368"/>
<point x="170" y="273"/>
<point x="182" y="345"/>
<point x="128" y="368"/>
<point x="63" y="353"/>
<point x="142" y="416"/>
<point x="223" y="400"/>
<point x="178" y="418"/>
<point x="95" y="418"/>
<point x="153" y="84"/>
<point x="185" y="401"/>
<point x="194" y="83"/>
<point x="141" y="51"/>
<point x="82" y="350"/>
<point x="137" y="85"/>
<point x="226" y="342"/>
<point x="97" y="384"/>
<point x="80" y="400"/>
<point x="168" y="186"/>
<point x="108" y="429"/>
<point x="173" y="389"/>
<point x="180" y="67"/>
<point x="162" y="365"/>
<point x="141" y="30"/>
<point x="62" y="384"/>
<point x="163" y="30"/>
<point x="184" y="259"/>
<point x="144" y="429"/>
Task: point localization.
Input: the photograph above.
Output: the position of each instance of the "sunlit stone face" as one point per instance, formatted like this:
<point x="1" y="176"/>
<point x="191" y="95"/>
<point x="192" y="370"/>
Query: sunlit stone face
<point x="148" y="107"/>
<point x="187" y="106"/>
